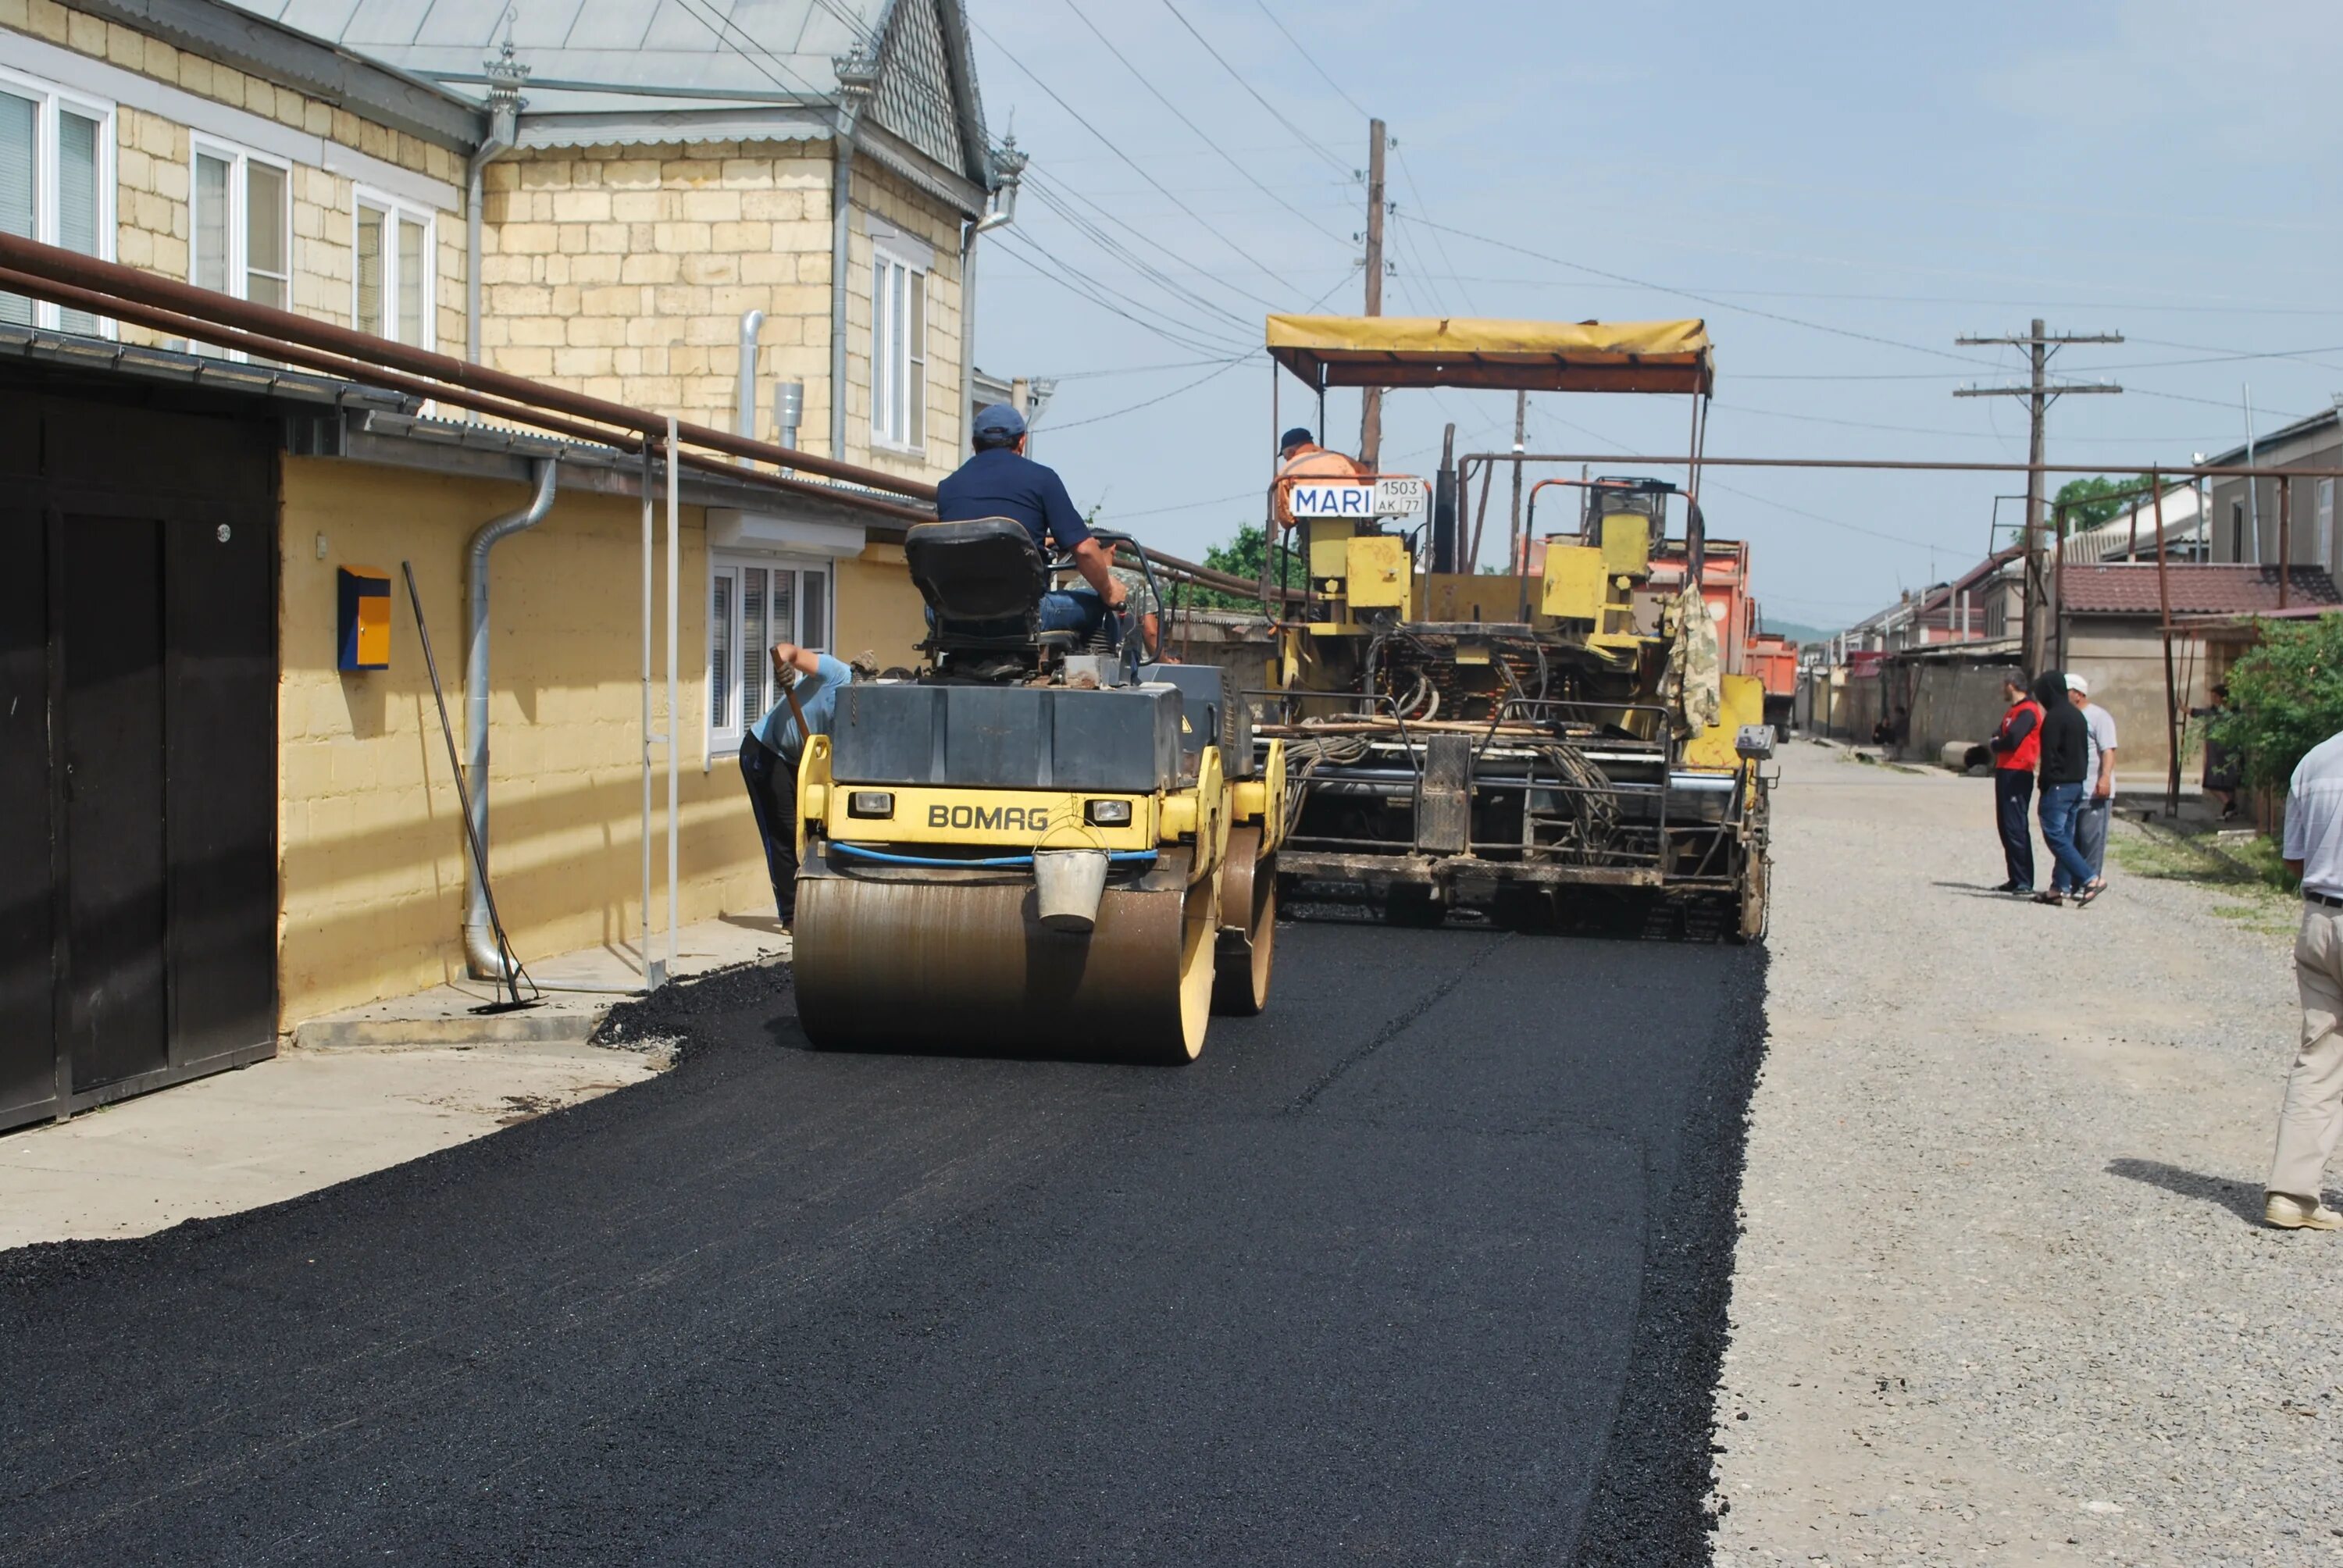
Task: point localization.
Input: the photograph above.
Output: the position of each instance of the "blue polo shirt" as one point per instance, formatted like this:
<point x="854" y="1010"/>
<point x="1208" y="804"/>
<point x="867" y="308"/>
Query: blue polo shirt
<point x="818" y="694"/>
<point x="999" y="483"/>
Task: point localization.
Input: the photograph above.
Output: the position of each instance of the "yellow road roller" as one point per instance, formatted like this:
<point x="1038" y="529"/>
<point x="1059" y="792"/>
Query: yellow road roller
<point x="1039" y="845"/>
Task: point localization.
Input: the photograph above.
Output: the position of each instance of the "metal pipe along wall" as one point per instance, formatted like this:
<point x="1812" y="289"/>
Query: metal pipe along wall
<point x="482" y="957"/>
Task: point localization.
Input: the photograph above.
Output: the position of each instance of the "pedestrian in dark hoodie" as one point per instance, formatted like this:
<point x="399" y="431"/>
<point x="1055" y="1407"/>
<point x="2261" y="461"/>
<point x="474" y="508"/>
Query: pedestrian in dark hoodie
<point x="2066" y="762"/>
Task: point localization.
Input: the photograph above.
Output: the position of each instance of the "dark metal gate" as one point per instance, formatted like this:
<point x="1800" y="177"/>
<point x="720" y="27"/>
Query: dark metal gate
<point x="137" y="743"/>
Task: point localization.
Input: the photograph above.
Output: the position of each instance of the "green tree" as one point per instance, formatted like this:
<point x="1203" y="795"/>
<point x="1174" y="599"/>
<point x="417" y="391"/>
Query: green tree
<point x="2090" y="502"/>
<point x="1241" y="558"/>
<point x="2285" y="696"/>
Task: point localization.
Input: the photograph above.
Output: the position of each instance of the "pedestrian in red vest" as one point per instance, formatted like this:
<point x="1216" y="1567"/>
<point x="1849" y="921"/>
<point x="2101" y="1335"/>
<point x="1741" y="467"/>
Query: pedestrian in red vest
<point x="2016" y="748"/>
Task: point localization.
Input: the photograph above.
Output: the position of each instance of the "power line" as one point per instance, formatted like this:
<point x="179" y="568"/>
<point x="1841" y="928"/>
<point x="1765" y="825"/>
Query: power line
<point x="1710" y="482"/>
<point x="1416" y="193"/>
<point x="1264" y="268"/>
<point x="1158" y="397"/>
<point x="1166" y="397"/>
<point x="1130" y="370"/>
<point x="1046" y="192"/>
<point x="723" y="25"/>
<point x="1700" y="298"/>
<point x="1225" y="156"/>
<point x="1192" y="506"/>
<point x="1299" y="134"/>
<point x="1340" y="90"/>
<point x="1049" y="266"/>
<point x="1217" y="324"/>
<point x="1930" y="430"/>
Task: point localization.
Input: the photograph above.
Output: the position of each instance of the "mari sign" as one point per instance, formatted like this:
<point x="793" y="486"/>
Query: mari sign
<point x="1393" y="498"/>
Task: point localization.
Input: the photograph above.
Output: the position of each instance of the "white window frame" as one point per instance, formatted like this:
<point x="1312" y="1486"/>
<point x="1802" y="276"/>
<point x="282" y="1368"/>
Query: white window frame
<point x="50" y="100"/>
<point x="239" y="161"/>
<point x="726" y="723"/>
<point x="899" y="368"/>
<point x="395" y="212"/>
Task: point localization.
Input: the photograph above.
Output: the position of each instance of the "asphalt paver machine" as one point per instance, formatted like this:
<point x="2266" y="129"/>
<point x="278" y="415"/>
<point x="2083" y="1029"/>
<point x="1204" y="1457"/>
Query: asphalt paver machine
<point x="1033" y="847"/>
<point x="1539" y="740"/>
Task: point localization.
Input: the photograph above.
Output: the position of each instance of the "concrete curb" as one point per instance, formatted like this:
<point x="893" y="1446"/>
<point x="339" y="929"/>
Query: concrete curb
<point x="531" y="1028"/>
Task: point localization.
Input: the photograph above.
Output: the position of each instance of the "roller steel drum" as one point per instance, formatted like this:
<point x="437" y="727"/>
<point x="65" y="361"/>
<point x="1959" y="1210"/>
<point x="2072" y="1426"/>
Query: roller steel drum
<point x="1248" y="926"/>
<point x="963" y="963"/>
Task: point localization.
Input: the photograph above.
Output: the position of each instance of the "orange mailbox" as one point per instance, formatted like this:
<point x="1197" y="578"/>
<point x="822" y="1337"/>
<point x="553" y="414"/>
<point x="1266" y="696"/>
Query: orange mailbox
<point x="364" y="618"/>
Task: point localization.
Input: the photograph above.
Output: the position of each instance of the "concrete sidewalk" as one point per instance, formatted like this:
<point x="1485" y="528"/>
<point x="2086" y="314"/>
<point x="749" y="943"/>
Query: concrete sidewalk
<point x="576" y="988"/>
<point x="347" y="1094"/>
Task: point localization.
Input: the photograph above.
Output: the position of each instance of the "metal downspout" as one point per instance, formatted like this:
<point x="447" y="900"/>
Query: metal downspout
<point x="505" y="78"/>
<point x="1008" y="169"/>
<point x="842" y="211"/>
<point x="481" y="957"/>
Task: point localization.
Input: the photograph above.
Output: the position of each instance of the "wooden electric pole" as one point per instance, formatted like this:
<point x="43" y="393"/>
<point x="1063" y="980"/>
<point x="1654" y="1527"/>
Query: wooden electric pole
<point x="2037" y="633"/>
<point x="1370" y="401"/>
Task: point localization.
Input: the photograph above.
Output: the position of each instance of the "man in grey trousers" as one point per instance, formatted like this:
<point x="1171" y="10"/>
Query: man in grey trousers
<point x="2312" y="1119"/>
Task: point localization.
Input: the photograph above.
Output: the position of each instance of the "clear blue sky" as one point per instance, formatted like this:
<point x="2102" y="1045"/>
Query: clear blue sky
<point x="2171" y="171"/>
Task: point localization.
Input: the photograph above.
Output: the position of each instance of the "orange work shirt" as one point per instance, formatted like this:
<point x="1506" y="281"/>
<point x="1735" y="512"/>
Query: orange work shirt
<point x="1311" y="463"/>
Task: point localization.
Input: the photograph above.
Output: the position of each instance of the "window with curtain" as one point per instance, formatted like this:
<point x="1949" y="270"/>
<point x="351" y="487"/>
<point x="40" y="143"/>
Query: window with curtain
<point x="242" y="225"/>
<point x="57" y="164"/>
<point x="754" y="602"/>
<point x="393" y="286"/>
<point x="898" y="352"/>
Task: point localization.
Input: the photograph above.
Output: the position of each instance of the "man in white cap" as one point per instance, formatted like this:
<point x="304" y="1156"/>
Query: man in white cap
<point x="2091" y="817"/>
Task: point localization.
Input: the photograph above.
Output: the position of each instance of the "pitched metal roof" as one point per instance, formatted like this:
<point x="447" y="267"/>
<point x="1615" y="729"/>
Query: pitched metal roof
<point x="734" y="62"/>
<point x="2197" y="588"/>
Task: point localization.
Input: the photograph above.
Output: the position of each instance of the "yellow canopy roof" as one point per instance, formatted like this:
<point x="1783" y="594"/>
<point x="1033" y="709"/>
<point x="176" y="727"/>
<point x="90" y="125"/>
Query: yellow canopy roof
<point x="1525" y="355"/>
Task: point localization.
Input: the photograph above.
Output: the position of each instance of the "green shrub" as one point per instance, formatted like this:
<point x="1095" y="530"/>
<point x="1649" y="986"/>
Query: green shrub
<point x="2285" y="696"/>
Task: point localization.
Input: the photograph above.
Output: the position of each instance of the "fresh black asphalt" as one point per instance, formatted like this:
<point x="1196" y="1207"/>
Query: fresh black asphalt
<point x="1427" y="1264"/>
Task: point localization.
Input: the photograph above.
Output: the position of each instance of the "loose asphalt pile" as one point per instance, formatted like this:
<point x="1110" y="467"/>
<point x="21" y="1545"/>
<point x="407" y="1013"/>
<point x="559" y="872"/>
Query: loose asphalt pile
<point x="1427" y="1264"/>
<point x="2001" y="1294"/>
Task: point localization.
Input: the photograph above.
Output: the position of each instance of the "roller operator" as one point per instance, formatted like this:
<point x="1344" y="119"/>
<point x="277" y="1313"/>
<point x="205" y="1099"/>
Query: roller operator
<point x="1000" y="481"/>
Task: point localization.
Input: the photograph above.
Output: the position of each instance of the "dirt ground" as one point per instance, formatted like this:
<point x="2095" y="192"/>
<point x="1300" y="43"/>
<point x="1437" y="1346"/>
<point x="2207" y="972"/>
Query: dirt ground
<point x="2001" y="1294"/>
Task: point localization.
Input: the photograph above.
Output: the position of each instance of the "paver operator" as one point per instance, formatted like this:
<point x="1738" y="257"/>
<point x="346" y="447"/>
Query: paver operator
<point x="2312" y="1119"/>
<point x="805" y="685"/>
<point x="1000" y="481"/>
<point x="1298" y="456"/>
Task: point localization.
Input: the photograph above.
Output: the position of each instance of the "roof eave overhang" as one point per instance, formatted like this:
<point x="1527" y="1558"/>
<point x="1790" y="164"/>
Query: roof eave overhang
<point x="323" y="71"/>
<point x="620" y="128"/>
<point x="899" y="157"/>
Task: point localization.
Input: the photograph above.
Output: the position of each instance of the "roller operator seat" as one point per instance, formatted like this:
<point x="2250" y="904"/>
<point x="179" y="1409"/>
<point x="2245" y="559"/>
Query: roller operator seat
<point x="983" y="581"/>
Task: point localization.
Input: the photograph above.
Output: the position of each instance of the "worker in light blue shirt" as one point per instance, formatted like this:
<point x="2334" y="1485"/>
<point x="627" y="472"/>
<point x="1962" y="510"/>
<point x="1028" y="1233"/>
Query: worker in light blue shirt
<point x="772" y="750"/>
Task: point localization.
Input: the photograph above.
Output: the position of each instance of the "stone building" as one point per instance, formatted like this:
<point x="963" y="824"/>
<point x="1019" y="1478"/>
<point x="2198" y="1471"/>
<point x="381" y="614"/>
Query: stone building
<point x="279" y="836"/>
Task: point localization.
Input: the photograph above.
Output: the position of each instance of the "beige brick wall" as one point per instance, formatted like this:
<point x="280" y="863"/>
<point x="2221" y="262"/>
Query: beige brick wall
<point x="373" y="869"/>
<point x="154" y="168"/>
<point x="623" y="273"/>
<point x="372" y="880"/>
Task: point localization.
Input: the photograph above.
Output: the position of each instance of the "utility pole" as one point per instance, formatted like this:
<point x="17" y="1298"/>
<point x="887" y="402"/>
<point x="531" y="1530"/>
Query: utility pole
<point x="2038" y="392"/>
<point x="1370" y="401"/>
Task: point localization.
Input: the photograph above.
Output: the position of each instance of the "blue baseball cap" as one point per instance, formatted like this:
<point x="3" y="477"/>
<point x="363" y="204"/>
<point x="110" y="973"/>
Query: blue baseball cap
<point x="1001" y="421"/>
<point x="1297" y="437"/>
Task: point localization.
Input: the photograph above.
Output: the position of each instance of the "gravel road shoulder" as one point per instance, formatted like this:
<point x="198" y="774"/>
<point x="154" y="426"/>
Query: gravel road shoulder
<point x="2002" y="1295"/>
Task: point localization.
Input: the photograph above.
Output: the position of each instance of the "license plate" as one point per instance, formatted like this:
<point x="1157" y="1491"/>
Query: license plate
<point x="1398" y="498"/>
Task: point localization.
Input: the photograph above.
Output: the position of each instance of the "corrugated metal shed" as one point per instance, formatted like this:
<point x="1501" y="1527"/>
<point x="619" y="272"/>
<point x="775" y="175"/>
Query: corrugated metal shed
<point x="731" y="65"/>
